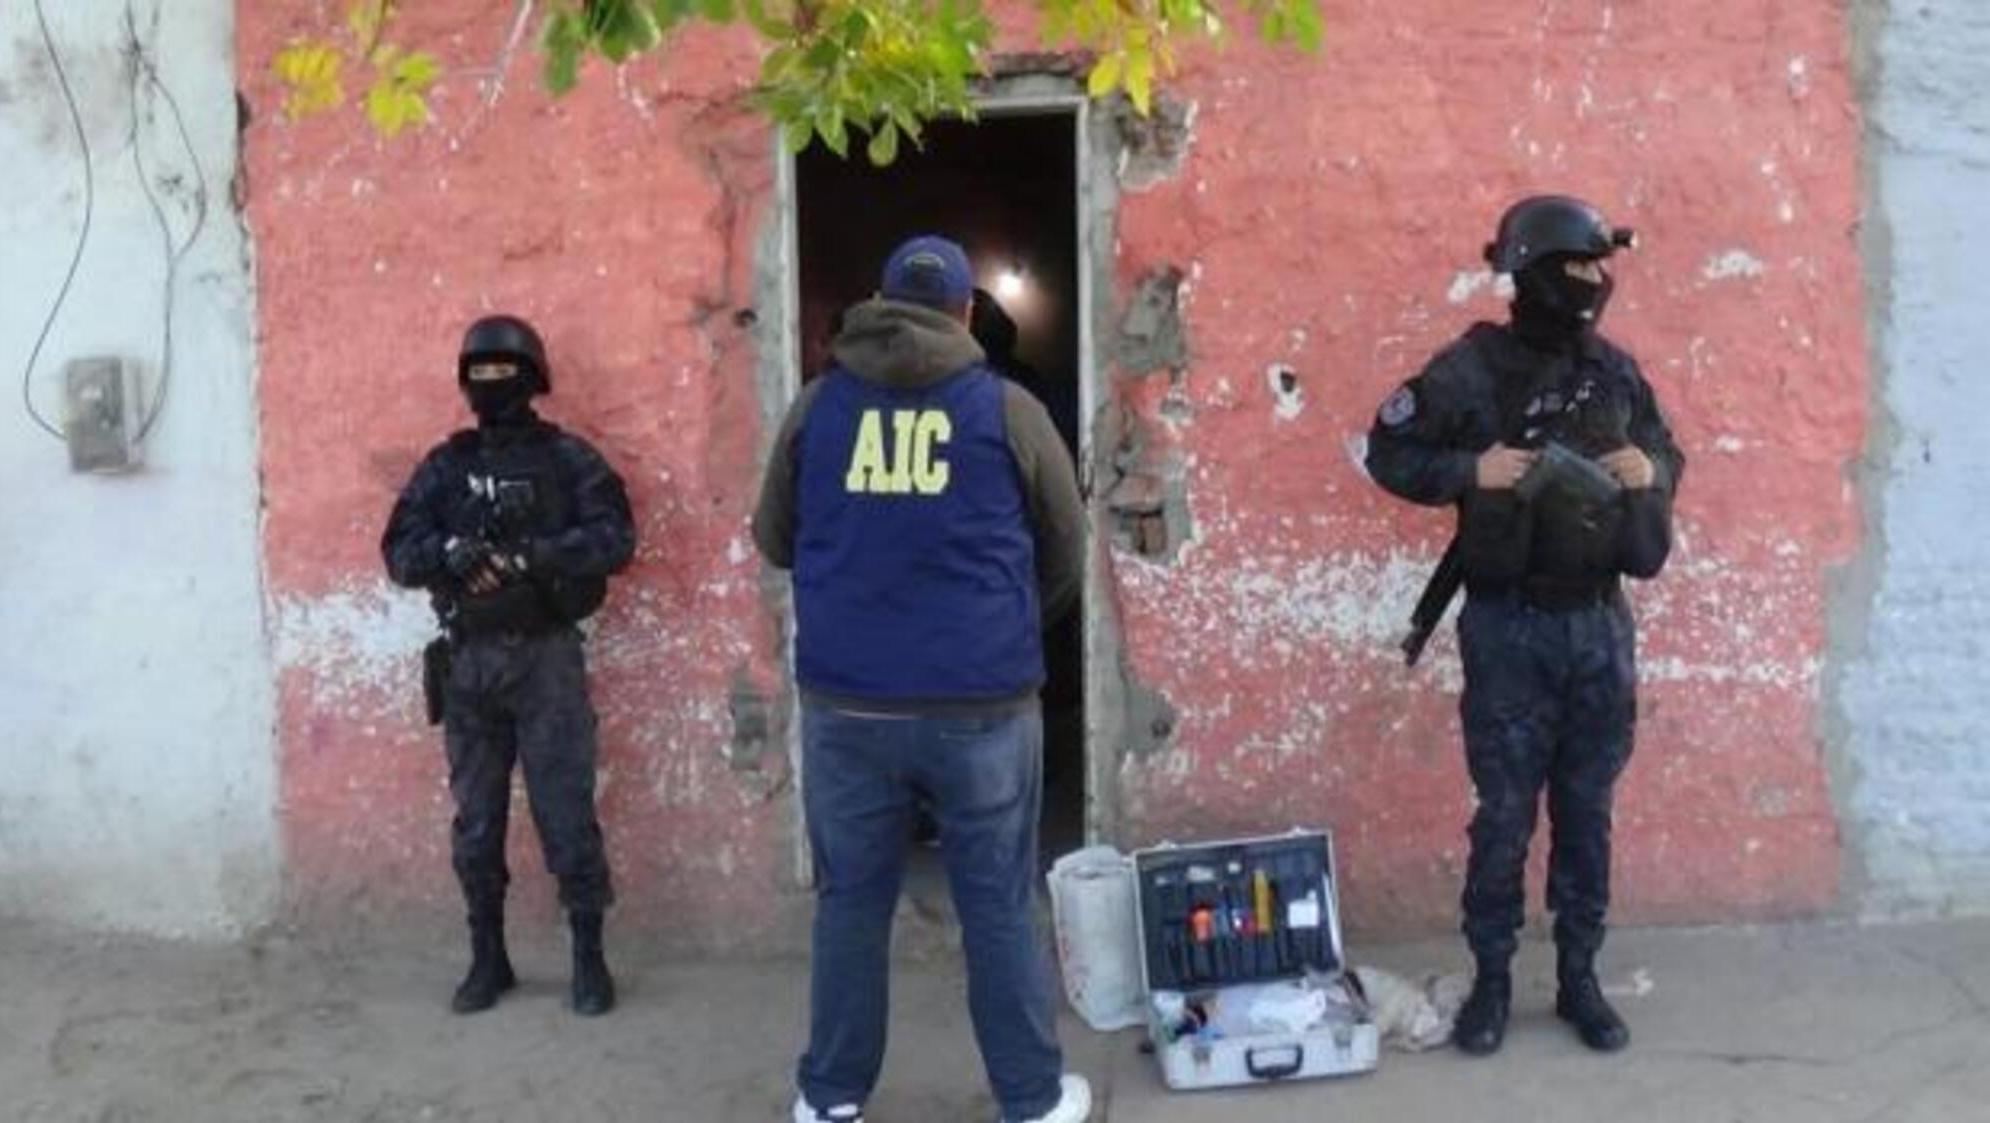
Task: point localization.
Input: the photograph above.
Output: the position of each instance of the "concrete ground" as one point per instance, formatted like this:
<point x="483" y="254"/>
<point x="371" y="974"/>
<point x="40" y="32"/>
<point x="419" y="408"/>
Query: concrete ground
<point x="1805" y="1023"/>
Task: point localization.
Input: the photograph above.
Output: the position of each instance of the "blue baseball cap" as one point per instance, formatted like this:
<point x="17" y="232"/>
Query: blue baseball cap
<point x="929" y="270"/>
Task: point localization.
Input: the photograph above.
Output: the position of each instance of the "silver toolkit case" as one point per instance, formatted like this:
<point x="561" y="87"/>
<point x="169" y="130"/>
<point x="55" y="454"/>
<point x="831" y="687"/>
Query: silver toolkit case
<point x="1172" y="883"/>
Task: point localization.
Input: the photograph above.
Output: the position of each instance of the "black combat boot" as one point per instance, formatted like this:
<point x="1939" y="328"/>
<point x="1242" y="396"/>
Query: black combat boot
<point x="1579" y="1001"/>
<point x="1481" y="1026"/>
<point x="490" y="968"/>
<point x="593" y="988"/>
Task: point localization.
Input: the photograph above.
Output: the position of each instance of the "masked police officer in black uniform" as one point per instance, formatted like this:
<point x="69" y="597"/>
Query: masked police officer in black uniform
<point x="514" y="527"/>
<point x="1548" y="441"/>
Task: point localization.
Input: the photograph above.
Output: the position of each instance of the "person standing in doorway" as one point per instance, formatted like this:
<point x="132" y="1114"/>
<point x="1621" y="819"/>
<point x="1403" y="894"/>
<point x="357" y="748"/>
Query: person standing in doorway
<point x="1549" y="442"/>
<point x="514" y="527"/>
<point x="995" y="329"/>
<point x="931" y="519"/>
<point x="1063" y="695"/>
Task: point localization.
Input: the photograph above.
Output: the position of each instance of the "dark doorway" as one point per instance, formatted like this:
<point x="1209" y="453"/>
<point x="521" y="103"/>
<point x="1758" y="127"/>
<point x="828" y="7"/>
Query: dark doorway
<point x="1006" y="188"/>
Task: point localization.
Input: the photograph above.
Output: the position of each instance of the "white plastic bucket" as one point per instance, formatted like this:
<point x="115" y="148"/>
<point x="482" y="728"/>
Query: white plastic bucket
<point x="1098" y="936"/>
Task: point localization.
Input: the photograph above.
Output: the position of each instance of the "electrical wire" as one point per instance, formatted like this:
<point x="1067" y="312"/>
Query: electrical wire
<point x="82" y="237"/>
<point x="144" y="68"/>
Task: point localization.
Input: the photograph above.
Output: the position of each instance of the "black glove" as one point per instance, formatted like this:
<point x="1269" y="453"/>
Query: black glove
<point x="1602" y="423"/>
<point x="464" y="556"/>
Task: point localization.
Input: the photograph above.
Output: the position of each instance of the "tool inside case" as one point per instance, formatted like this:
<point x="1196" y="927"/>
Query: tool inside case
<point x="1250" y="911"/>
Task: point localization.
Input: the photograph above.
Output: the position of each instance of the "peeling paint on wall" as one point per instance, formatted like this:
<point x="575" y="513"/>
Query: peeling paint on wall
<point x="1153" y="148"/>
<point x="1273" y="631"/>
<point x="1151" y="337"/>
<point x="1288" y="396"/>
<point x="643" y="268"/>
<point x="1733" y="263"/>
<point x="1306" y="226"/>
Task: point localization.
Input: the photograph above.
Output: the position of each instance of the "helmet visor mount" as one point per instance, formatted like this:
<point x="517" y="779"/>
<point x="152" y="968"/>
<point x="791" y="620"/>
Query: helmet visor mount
<point x="1550" y="226"/>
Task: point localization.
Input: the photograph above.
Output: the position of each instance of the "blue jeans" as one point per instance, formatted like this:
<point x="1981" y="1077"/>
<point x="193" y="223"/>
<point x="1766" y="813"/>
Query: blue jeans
<point x="984" y="776"/>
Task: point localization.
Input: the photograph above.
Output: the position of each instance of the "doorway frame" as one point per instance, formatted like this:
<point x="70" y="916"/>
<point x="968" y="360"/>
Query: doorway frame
<point x="1095" y="203"/>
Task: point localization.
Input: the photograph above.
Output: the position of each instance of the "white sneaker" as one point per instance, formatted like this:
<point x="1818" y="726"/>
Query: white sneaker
<point x="1073" y="1106"/>
<point x="843" y="1113"/>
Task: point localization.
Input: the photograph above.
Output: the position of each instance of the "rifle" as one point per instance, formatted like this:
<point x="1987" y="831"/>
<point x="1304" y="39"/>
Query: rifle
<point x="1436" y="598"/>
<point x="1558" y="467"/>
<point x="509" y="509"/>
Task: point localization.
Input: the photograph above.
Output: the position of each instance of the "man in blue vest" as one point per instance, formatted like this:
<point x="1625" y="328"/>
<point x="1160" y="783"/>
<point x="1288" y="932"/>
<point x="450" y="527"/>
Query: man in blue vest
<point x="930" y="516"/>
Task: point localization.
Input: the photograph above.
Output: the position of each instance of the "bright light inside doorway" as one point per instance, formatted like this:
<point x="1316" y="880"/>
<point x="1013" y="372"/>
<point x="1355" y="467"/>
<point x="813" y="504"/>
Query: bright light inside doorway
<point x="1009" y="284"/>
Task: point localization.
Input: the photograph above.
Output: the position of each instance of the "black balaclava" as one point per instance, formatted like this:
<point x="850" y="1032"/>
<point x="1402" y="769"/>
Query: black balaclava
<point x="1552" y="308"/>
<point x="504" y="401"/>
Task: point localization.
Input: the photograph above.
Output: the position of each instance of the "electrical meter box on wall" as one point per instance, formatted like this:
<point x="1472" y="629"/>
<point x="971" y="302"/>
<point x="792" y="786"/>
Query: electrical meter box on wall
<point x="101" y="412"/>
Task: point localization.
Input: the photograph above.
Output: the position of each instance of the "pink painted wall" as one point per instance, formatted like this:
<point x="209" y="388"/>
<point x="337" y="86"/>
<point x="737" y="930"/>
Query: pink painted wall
<point x="1328" y="215"/>
<point x="622" y="223"/>
<point x="1331" y="218"/>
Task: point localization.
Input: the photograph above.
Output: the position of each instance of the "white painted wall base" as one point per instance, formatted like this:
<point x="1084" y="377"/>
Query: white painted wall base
<point x="137" y="771"/>
<point x="1916" y="690"/>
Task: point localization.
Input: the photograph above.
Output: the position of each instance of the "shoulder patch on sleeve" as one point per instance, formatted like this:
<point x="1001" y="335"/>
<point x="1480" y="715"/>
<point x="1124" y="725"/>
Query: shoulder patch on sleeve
<point x="1399" y="409"/>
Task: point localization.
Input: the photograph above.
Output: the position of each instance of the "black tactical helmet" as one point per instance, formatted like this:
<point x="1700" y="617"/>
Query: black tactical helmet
<point x="1547" y="225"/>
<point x="505" y="337"/>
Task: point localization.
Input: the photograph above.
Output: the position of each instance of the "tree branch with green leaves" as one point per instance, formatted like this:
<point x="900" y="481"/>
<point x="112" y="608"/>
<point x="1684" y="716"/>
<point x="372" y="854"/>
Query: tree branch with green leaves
<point x="837" y="71"/>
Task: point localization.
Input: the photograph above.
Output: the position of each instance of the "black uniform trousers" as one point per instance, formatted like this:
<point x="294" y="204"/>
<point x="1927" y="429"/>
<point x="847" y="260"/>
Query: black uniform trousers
<point x="523" y="699"/>
<point x="1550" y="702"/>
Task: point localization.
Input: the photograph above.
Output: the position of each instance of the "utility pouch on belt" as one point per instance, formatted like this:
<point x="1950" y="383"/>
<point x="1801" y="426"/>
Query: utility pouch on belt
<point x="435" y="677"/>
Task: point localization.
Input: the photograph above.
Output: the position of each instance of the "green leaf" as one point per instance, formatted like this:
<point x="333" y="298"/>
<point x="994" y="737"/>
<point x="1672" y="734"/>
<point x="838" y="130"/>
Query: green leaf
<point x="779" y="63"/>
<point x="1105" y="76"/>
<point x="862" y="85"/>
<point x="623" y="28"/>
<point x="878" y="70"/>
<point x="796" y="135"/>
<point x="417" y="70"/>
<point x="311" y="74"/>
<point x="823" y="54"/>
<point x="857" y="25"/>
<point x="670" y="13"/>
<point x="1140" y="78"/>
<point x="562" y="71"/>
<point x="393" y="108"/>
<point x="769" y="27"/>
<point x="834" y="134"/>
<point x="1309" y="27"/>
<point x="367" y="19"/>
<point x="563" y="42"/>
<point x="884" y="144"/>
